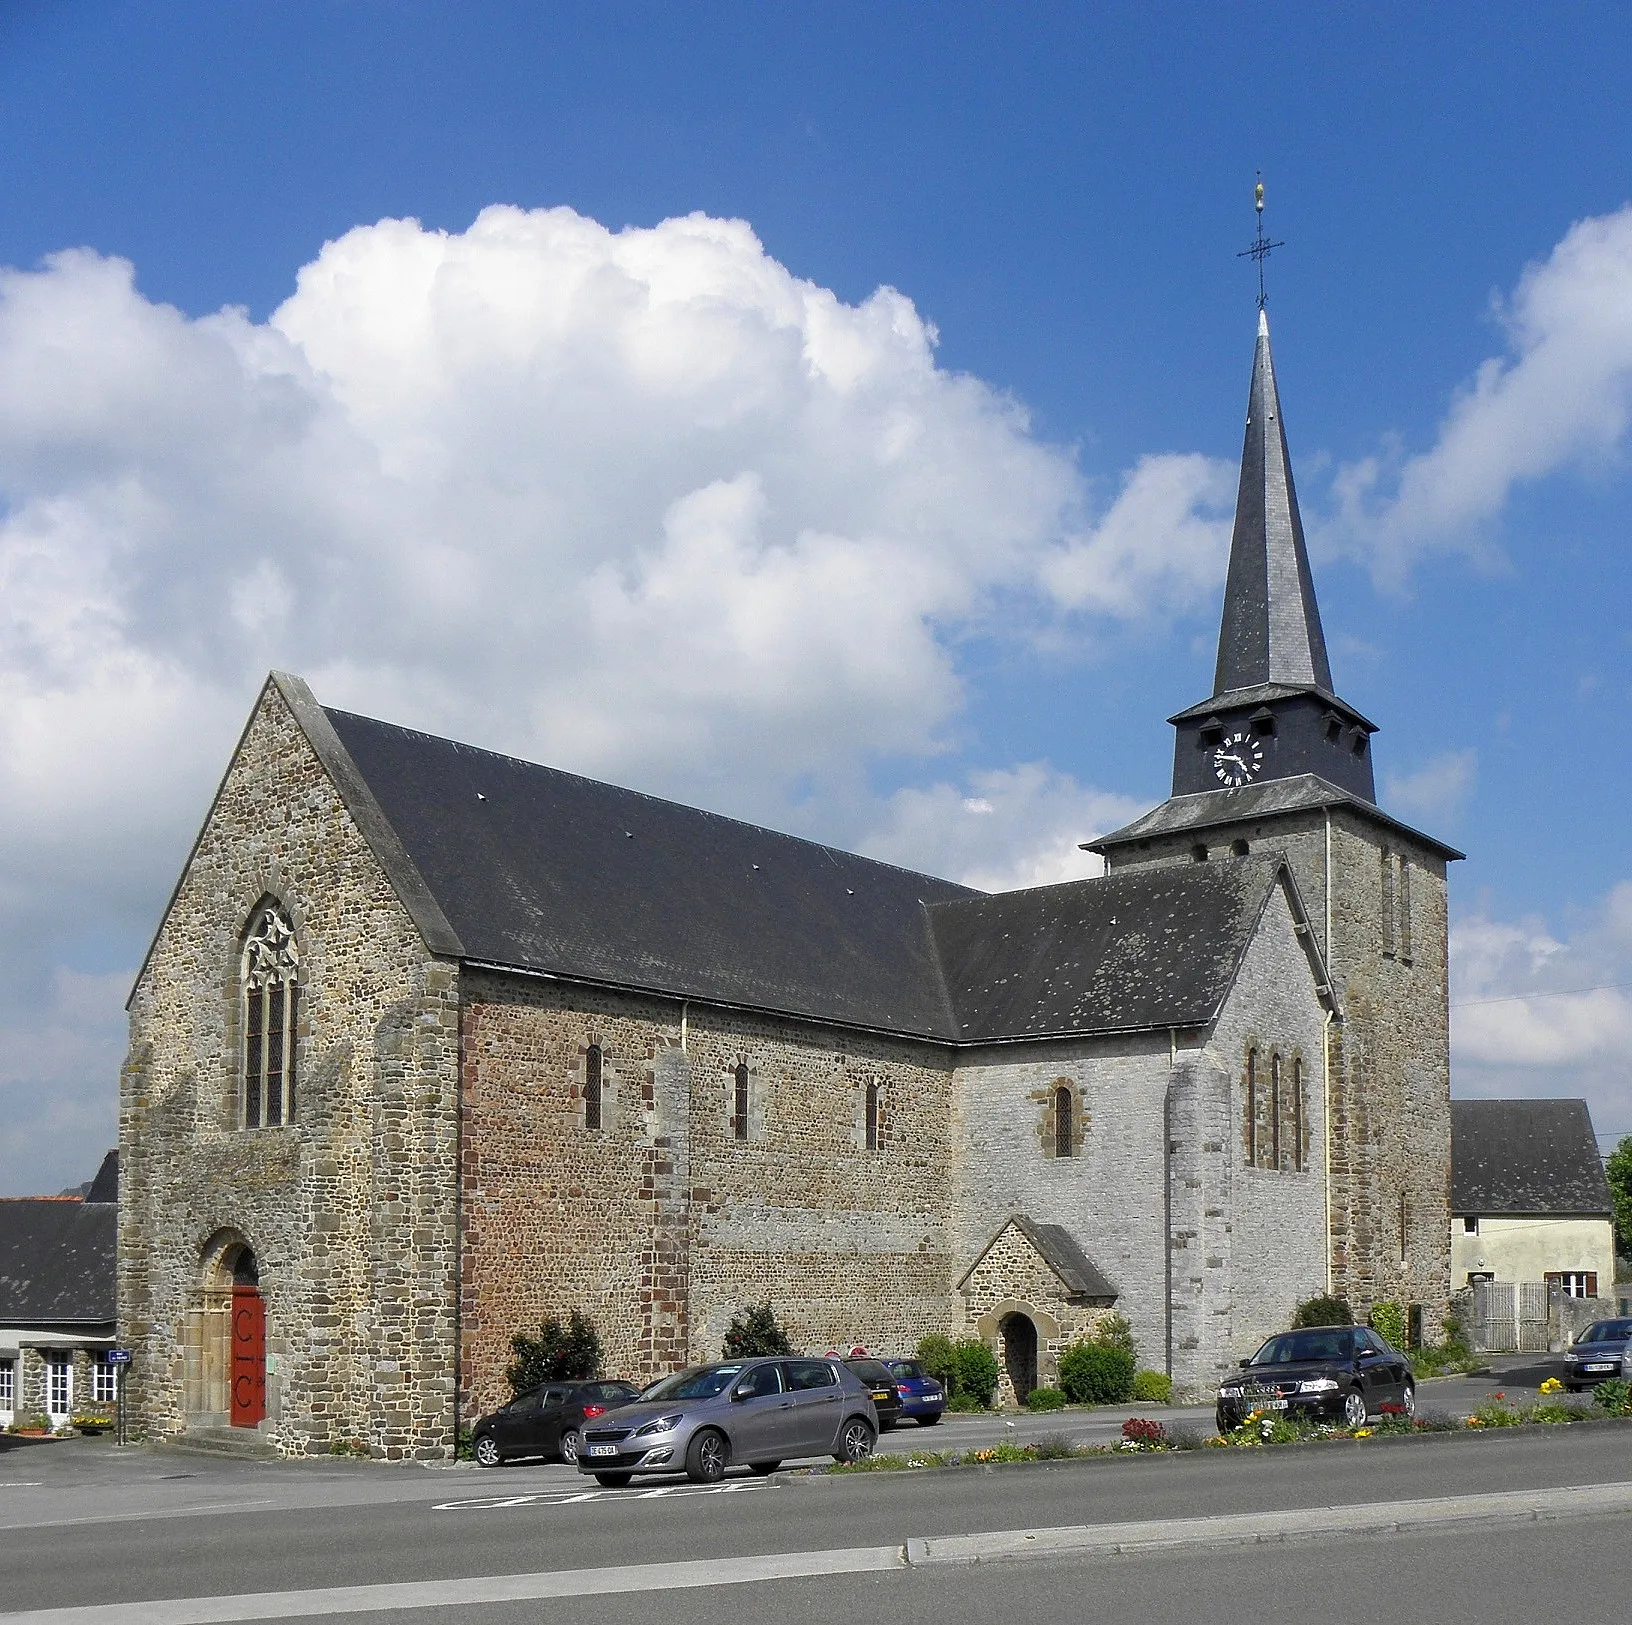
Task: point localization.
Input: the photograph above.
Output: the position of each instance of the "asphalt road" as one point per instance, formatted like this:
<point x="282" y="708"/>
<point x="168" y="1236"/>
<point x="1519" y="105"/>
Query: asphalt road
<point x="82" y="1524"/>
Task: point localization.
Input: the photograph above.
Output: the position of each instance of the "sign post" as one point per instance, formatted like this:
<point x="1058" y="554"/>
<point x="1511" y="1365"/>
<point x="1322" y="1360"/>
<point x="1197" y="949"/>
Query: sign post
<point x="119" y="1359"/>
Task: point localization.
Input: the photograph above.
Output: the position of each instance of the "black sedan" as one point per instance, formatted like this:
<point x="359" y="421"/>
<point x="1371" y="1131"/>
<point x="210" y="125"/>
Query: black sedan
<point x="880" y="1382"/>
<point x="1345" y="1373"/>
<point x="1597" y="1354"/>
<point x="546" y="1422"/>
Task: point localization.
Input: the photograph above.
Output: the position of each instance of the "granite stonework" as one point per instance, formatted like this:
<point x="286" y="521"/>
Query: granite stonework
<point x="351" y="1211"/>
<point x="1386" y="946"/>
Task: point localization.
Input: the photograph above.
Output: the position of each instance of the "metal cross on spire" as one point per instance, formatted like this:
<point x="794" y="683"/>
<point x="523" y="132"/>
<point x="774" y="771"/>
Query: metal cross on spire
<point x="1260" y="247"/>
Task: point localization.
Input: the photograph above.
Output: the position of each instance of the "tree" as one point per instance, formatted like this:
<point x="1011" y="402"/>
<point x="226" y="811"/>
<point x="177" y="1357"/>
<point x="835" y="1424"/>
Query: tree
<point x="755" y="1331"/>
<point x="977" y="1371"/>
<point x="1618" y="1170"/>
<point x="1323" y="1312"/>
<point x="940" y="1360"/>
<point x="558" y="1354"/>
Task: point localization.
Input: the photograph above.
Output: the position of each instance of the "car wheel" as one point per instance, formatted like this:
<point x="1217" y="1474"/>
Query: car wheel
<point x="1572" y="1387"/>
<point x="930" y="1420"/>
<point x="1221" y="1421"/>
<point x="1408" y="1398"/>
<point x="487" y="1452"/>
<point x="569" y="1446"/>
<point x="613" y="1481"/>
<point x="855" y="1441"/>
<point x="763" y="1469"/>
<point x="706" y="1457"/>
<point x="1354" y="1409"/>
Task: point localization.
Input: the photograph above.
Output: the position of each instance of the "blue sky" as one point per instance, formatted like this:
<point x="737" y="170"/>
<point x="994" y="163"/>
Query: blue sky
<point x="1061" y="191"/>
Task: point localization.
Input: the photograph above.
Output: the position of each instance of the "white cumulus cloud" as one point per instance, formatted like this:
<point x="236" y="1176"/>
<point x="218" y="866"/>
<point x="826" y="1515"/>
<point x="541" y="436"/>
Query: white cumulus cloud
<point x="1438" y="788"/>
<point x="640" y="503"/>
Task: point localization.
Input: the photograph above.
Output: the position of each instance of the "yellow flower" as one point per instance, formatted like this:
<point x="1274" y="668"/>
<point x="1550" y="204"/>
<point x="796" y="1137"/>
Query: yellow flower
<point x="1362" y="1433"/>
<point x="1476" y="1421"/>
<point x="1552" y="1386"/>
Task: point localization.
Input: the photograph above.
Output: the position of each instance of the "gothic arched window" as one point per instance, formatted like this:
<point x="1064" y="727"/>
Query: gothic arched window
<point x="1275" y="1112"/>
<point x="1297" y="1114"/>
<point x="592" y="1086"/>
<point x="1065" y="1143"/>
<point x="872" y="1116"/>
<point x="269" y="979"/>
<point x="1252" y="1108"/>
<point x="739" y="1102"/>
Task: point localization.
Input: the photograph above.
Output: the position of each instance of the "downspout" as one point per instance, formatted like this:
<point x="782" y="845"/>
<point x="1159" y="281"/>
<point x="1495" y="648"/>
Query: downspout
<point x="1167" y="1201"/>
<point x="1326" y="1047"/>
<point x="685" y="1005"/>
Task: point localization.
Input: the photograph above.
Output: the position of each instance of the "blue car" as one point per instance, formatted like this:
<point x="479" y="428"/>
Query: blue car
<point x="922" y="1398"/>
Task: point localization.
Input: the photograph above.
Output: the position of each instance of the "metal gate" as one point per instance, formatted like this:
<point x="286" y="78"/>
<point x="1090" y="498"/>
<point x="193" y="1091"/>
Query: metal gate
<point x="1510" y="1317"/>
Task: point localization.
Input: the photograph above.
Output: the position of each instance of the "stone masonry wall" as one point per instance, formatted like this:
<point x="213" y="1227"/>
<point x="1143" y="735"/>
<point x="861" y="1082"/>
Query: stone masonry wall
<point x="661" y="1224"/>
<point x="1389" y="1065"/>
<point x="351" y="1209"/>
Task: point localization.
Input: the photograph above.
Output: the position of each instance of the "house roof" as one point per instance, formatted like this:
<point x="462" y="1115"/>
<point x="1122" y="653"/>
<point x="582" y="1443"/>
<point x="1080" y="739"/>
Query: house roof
<point x="105" y="1187"/>
<point x="1211" y="808"/>
<point x="1139" y="949"/>
<point x="57" y="1262"/>
<point x="1058" y="1249"/>
<point x="1525" y="1156"/>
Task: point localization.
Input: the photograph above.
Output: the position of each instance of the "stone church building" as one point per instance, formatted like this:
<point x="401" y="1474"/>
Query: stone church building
<point x="433" y="1042"/>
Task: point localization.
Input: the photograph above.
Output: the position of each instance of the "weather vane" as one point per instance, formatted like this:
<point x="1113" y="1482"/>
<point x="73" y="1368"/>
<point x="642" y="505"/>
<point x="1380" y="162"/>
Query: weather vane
<point x="1261" y="246"/>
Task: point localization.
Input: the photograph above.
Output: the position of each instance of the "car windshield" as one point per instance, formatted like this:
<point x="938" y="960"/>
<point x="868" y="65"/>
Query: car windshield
<point x="700" y="1382"/>
<point x="1607" y="1331"/>
<point x="905" y="1369"/>
<point x="1292" y="1348"/>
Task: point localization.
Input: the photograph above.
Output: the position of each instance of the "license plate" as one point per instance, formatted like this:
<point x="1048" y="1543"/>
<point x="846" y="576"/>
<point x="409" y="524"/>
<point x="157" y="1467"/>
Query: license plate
<point x="603" y="1450"/>
<point x="1274" y="1405"/>
<point x="883" y="1396"/>
<point x="1599" y="1368"/>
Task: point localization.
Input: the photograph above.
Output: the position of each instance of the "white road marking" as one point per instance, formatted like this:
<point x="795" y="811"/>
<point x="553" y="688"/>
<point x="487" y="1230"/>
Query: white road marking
<point x="560" y="1498"/>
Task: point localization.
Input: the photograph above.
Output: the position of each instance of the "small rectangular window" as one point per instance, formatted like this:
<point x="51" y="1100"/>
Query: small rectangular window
<point x="1470" y="1225"/>
<point x="104" y="1388"/>
<point x="8" y="1385"/>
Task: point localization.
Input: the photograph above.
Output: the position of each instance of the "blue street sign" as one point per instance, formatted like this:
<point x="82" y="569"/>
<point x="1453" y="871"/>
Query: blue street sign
<point x="117" y="1356"/>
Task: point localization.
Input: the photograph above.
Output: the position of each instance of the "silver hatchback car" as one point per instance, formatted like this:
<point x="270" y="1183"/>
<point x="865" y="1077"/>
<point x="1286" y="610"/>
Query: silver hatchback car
<point x="753" y="1413"/>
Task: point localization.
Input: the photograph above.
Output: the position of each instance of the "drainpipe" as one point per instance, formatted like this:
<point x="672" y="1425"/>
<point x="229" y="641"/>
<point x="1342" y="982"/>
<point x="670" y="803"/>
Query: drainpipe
<point x="1167" y="1202"/>
<point x="1326" y="1046"/>
<point x="685" y="1005"/>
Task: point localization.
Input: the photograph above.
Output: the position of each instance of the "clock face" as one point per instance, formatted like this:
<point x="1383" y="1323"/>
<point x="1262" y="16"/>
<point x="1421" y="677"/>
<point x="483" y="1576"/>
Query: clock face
<point x="1237" y="758"/>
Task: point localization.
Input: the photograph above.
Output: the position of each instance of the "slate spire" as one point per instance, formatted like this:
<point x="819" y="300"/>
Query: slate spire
<point x="1271" y="628"/>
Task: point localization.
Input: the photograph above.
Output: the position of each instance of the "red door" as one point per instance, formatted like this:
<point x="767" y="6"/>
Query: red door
<point x="248" y="1357"/>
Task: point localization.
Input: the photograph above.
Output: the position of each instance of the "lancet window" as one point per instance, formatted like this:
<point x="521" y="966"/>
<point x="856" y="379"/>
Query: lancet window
<point x="269" y="973"/>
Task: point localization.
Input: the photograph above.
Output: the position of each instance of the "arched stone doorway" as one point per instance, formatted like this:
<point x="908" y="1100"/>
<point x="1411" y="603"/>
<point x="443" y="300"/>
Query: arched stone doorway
<point x="225" y="1343"/>
<point x="1019" y="1335"/>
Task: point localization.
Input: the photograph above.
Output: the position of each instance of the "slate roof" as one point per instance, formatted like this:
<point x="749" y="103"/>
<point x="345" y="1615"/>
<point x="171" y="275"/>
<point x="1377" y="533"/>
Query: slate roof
<point x="1140" y="949"/>
<point x="1271" y="628"/>
<point x="539" y="869"/>
<point x="57" y="1262"/>
<point x="1525" y="1156"/>
<point x="1179" y="814"/>
<point x="105" y="1187"/>
<point x="1057" y="1248"/>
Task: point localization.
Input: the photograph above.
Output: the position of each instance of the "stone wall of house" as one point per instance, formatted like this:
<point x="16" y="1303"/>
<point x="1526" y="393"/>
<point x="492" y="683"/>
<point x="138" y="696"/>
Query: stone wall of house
<point x="1109" y="1196"/>
<point x="351" y="1210"/>
<point x="1013" y="1278"/>
<point x="1389" y="1066"/>
<point x="662" y="1225"/>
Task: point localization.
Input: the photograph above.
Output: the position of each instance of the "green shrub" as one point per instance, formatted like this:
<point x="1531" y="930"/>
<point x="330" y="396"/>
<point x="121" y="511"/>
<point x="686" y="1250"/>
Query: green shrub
<point x="1045" y="1399"/>
<point x="940" y="1361"/>
<point x="1496" y="1412"/>
<point x="1388" y="1321"/>
<point x="964" y="1402"/>
<point x="976" y="1368"/>
<point x="1096" y="1373"/>
<point x="1115" y="1331"/>
<point x="1614" y="1397"/>
<point x="1323" y="1312"/>
<point x="558" y="1354"/>
<point x="1152" y="1388"/>
<point x="754" y="1332"/>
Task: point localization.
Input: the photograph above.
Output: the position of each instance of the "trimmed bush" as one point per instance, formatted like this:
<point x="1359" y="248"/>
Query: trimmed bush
<point x="753" y="1332"/>
<point x="1152" y="1388"/>
<point x="1388" y="1321"/>
<point x="558" y="1354"/>
<point x="940" y="1360"/>
<point x="1323" y="1312"/>
<point x="977" y="1370"/>
<point x="1096" y="1373"/>
<point x="1045" y="1399"/>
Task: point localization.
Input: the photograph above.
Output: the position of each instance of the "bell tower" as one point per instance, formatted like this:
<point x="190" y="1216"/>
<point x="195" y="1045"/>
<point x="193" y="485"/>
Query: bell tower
<point x="1274" y="761"/>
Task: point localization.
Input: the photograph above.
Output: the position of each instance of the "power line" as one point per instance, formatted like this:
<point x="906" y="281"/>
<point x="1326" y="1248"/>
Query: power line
<point x="1550" y="993"/>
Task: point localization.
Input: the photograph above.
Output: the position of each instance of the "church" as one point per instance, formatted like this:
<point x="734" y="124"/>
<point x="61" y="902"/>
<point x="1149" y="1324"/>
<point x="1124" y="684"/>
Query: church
<point x="432" y="1042"/>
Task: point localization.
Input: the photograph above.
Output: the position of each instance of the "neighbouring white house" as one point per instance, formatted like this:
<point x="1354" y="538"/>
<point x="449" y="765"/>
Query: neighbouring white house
<point x="1529" y="1200"/>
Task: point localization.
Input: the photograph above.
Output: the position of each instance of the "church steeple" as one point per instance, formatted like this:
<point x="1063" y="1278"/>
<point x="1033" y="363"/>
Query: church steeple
<point x="1273" y="713"/>
<point x="1271" y="628"/>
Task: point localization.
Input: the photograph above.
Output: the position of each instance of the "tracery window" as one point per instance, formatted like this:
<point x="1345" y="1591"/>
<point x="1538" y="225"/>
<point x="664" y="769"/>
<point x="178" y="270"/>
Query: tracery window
<point x="592" y="1086"/>
<point x="1065" y="1124"/>
<point x="269" y="975"/>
